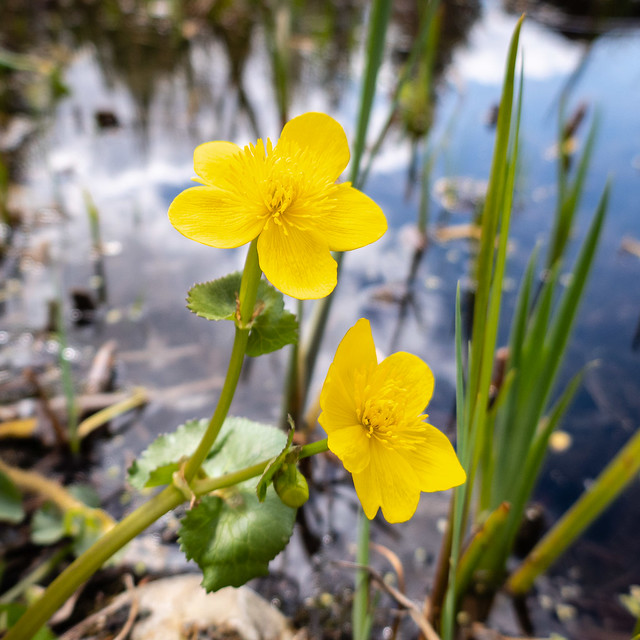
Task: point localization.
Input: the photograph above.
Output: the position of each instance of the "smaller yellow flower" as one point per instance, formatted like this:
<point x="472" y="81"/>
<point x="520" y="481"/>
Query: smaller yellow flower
<point x="286" y="196"/>
<point x="372" y="414"/>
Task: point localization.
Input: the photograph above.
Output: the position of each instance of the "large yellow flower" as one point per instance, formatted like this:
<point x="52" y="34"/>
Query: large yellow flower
<point x="287" y="197"/>
<point x="372" y="414"/>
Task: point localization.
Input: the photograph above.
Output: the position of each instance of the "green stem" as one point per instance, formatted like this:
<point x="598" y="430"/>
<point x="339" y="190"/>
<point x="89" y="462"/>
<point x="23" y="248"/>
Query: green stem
<point x="247" y="299"/>
<point x="89" y="562"/>
<point x="313" y="448"/>
<point x="361" y="597"/>
<point x="67" y="380"/>
<point x="249" y="285"/>
<point x="311" y="348"/>
<point x="292" y="402"/>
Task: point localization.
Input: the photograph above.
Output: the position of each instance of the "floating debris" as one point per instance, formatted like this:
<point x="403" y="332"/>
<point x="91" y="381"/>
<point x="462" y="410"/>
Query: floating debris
<point x="458" y="232"/>
<point x="630" y="245"/>
<point x="460" y="194"/>
<point x="107" y="119"/>
<point x="101" y="373"/>
<point x="560" y="441"/>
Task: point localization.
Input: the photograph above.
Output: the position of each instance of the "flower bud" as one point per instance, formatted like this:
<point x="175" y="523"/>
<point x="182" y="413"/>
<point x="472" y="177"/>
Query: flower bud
<point x="291" y="486"/>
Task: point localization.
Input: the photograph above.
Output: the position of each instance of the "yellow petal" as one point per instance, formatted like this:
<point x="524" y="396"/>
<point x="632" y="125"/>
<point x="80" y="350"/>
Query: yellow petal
<point x="320" y="136"/>
<point x="388" y="482"/>
<point x="211" y="161"/>
<point x="355" y="353"/>
<point x="296" y="262"/>
<point x="351" y="445"/>
<point x="412" y="375"/>
<point x="354" y="220"/>
<point x="435" y="463"/>
<point x="337" y="402"/>
<point x="214" y="217"/>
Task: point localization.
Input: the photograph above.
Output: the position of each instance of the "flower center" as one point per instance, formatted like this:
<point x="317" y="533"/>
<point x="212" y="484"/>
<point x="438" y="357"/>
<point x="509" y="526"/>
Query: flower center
<point x="380" y="409"/>
<point x="379" y="417"/>
<point x="279" y="185"/>
<point x="279" y="197"/>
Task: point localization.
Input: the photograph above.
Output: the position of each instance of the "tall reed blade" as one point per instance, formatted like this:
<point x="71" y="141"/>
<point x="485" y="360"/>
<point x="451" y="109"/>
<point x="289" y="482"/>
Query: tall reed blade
<point x="615" y="477"/>
<point x="471" y="418"/>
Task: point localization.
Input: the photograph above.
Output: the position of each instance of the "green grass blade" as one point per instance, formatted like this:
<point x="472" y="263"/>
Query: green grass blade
<point x="460" y="500"/>
<point x="569" y="198"/>
<point x="613" y="479"/>
<point x="483" y="539"/>
<point x="424" y="36"/>
<point x="491" y="214"/>
<point x="504" y="417"/>
<point x="379" y="20"/>
<point x="495" y="301"/>
<point x="558" y="335"/>
<point x="471" y="418"/>
<point x="530" y="466"/>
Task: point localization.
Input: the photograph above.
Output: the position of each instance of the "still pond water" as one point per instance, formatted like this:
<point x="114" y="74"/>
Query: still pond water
<point x="144" y="91"/>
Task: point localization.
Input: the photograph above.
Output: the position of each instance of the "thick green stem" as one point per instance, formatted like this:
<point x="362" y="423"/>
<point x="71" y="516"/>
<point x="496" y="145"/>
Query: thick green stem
<point x="207" y="485"/>
<point x="87" y="564"/>
<point x="90" y="561"/>
<point x="247" y="299"/>
<point x="360" y="612"/>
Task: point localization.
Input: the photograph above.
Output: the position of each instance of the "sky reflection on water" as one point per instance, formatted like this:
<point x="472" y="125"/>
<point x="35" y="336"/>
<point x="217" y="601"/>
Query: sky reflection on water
<point x="135" y="169"/>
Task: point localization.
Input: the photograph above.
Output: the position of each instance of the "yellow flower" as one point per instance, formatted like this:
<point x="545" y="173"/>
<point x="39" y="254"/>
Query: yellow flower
<point x="287" y="197"/>
<point x="372" y="414"/>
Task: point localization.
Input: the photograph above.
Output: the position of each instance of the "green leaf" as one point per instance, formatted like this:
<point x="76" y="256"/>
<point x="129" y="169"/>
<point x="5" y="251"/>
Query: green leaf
<point x="84" y="530"/>
<point x="10" y="501"/>
<point x="215" y="300"/>
<point x="47" y="525"/>
<point x="242" y="443"/>
<point x="158" y="462"/>
<point x="232" y="536"/>
<point x="273" y="327"/>
<point x="86" y="494"/>
<point x="163" y="475"/>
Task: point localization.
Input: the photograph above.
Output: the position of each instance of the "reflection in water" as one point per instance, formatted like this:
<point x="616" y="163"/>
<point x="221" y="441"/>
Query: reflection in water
<point x="149" y="81"/>
<point x="579" y="19"/>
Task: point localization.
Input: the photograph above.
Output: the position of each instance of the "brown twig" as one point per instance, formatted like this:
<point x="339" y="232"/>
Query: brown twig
<point x="414" y="611"/>
<point x="133" y="610"/>
<point x="80" y="630"/>
<point x="58" y="430"/>
<point x="395" y="562"/>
